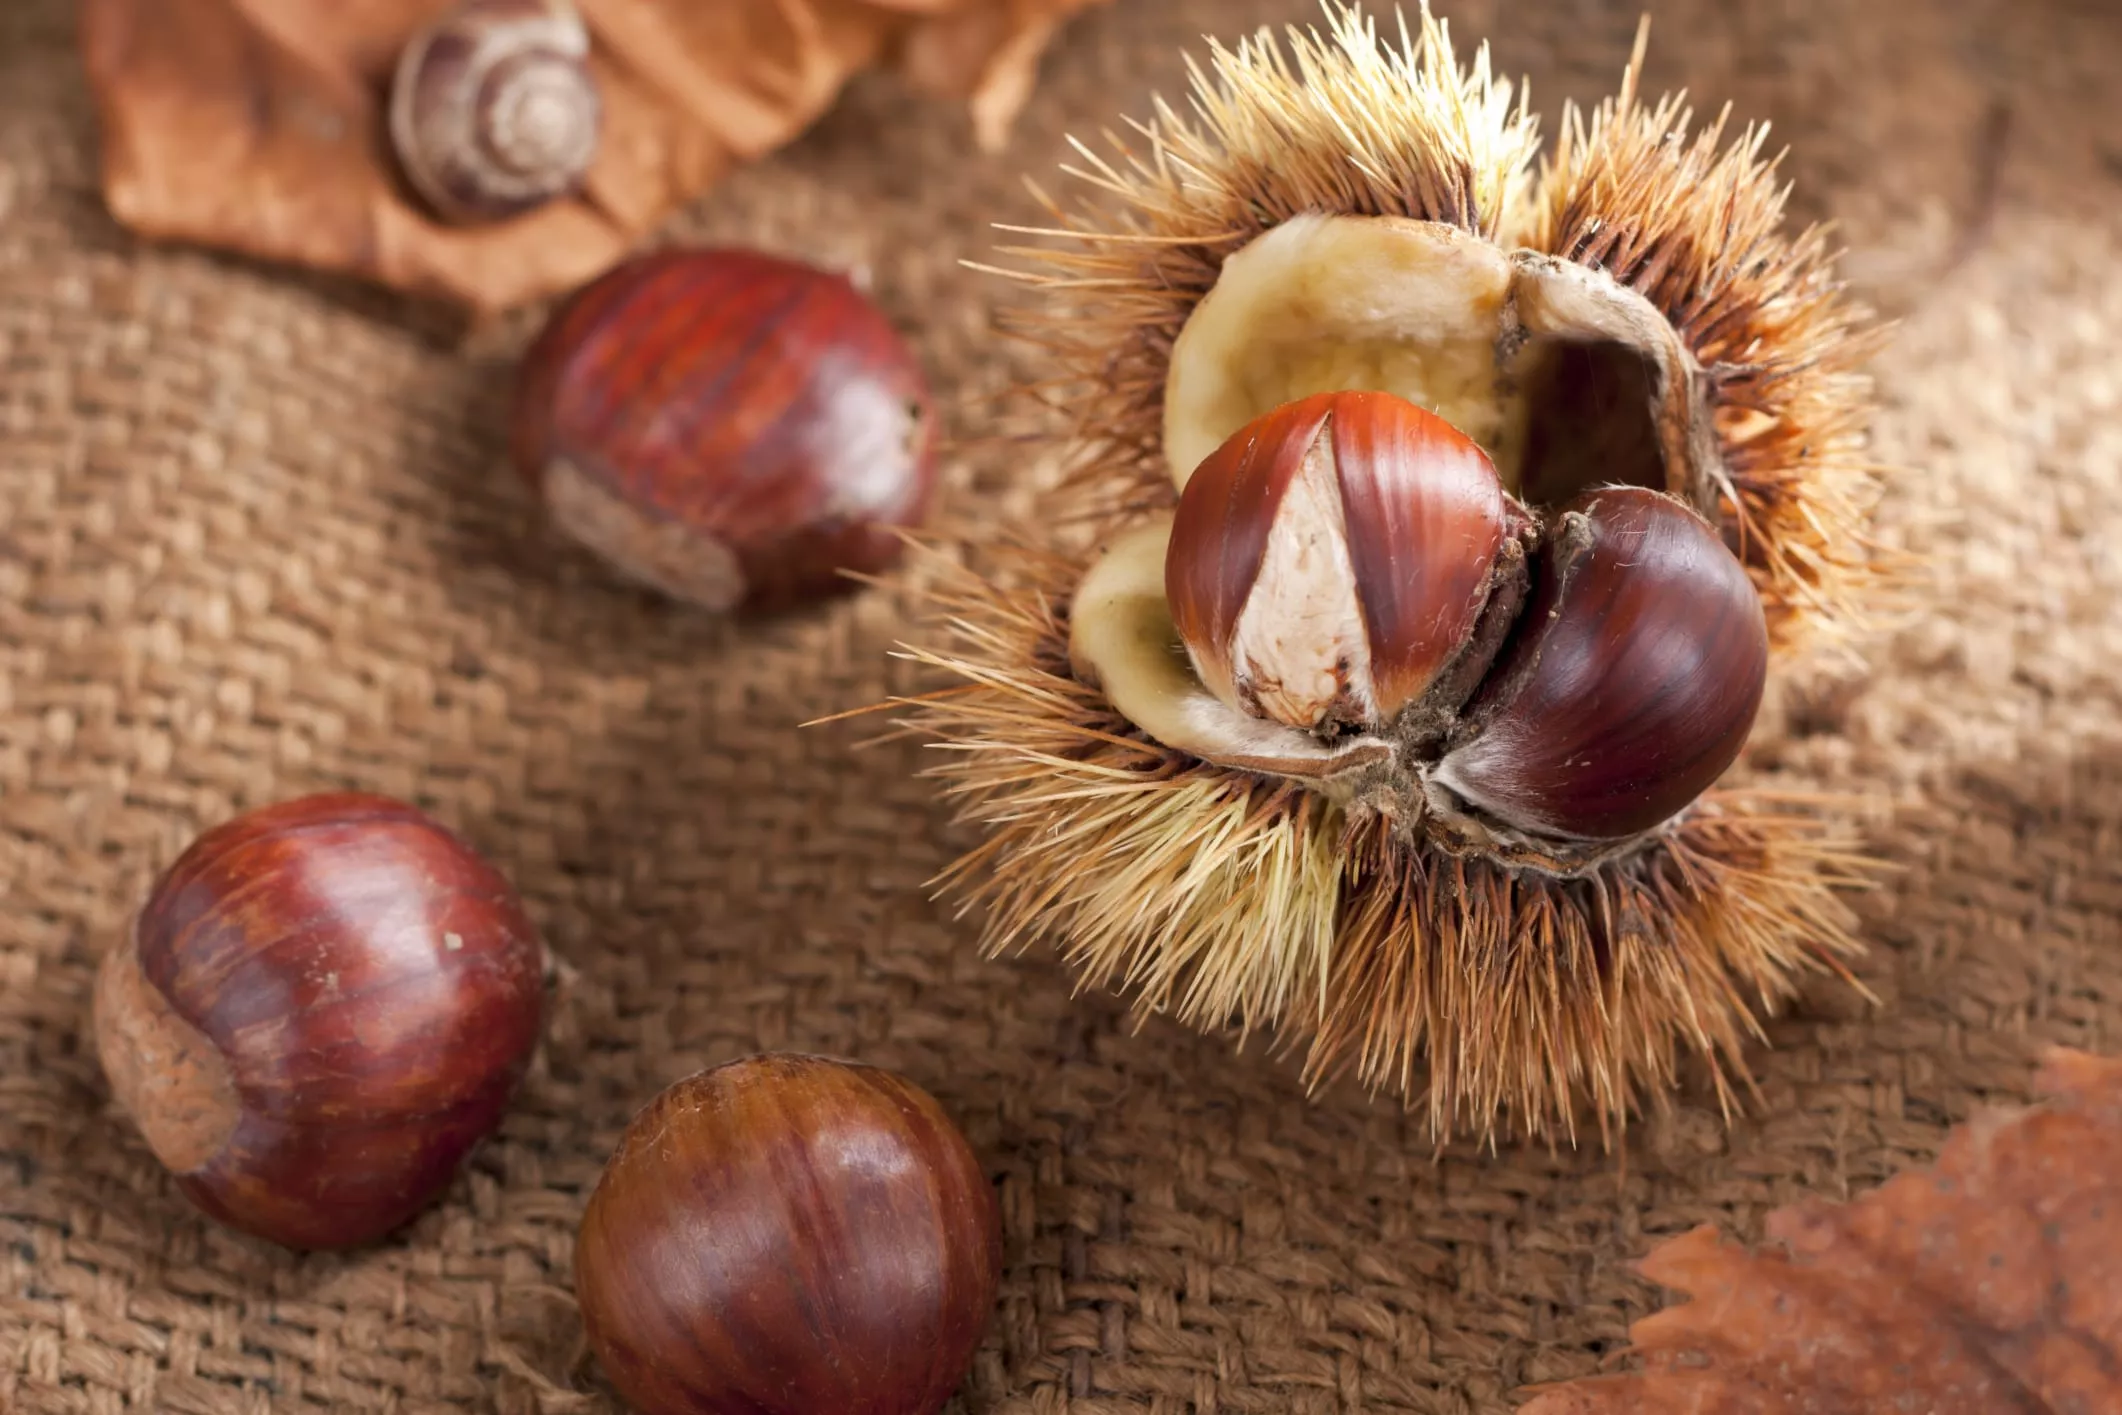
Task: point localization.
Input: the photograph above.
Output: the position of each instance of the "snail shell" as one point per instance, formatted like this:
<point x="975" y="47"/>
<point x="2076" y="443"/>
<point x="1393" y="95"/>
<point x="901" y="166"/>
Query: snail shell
<point x="494" y="110"/>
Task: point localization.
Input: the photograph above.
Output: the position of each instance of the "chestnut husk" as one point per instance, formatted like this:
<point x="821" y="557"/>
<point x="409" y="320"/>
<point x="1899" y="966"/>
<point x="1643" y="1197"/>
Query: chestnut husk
<point x="1498" y="985"/>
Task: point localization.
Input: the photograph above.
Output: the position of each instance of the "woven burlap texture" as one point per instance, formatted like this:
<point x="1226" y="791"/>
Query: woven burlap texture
<point x="257" y="538"/>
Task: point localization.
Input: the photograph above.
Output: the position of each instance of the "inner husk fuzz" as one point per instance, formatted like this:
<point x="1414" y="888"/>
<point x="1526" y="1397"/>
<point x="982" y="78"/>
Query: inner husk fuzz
<point x="1566" y="379"/>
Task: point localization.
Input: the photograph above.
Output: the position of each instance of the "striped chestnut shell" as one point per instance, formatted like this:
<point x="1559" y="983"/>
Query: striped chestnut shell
<point x="736" y="430"/>
<point x="322" y="1007"/>
<point x="1628" y="685"/>
<point x="789" y="1235"/>
<point x="1328" y="564"/>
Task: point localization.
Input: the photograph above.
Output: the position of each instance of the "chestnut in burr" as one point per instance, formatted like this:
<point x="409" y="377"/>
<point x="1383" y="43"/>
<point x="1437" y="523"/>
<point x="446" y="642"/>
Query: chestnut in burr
<point x="1631" y="682"/>
<point x="1184" y="774"/>
<point x="1328" y="566"/>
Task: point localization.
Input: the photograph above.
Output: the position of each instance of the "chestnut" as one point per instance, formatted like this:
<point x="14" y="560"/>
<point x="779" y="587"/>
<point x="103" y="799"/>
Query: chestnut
<point x="733" y="429"/>
<point x="1328" y="564"/>
<point x="321" y="1007"/>
<point x="1631" y="682"/>
<point x="786" y="1235"/>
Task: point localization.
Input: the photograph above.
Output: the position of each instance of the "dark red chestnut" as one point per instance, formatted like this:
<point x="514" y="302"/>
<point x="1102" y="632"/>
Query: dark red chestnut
<point x="1630" y="683"/>
<point x="323" y="1005"/>
<point x="733" y="429"/>
<point x="789" y="1235"/>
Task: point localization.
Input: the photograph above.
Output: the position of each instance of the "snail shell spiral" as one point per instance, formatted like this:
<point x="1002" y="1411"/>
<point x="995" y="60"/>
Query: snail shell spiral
<point x="494" y="110"/>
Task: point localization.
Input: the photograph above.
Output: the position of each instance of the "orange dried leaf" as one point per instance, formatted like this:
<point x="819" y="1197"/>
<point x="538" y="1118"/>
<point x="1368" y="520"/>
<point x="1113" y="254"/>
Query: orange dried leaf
<point x="1987" y="1284"/>
<point x="256" y="125"/>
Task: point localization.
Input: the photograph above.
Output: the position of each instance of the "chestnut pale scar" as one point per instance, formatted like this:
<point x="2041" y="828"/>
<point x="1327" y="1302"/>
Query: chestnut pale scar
<point x="665" y="555"/>
<point x="163" y="1070"/>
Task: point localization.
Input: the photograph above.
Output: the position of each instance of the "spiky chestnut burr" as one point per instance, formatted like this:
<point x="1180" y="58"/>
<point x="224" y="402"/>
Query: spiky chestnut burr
<point x="1366" y="217"/>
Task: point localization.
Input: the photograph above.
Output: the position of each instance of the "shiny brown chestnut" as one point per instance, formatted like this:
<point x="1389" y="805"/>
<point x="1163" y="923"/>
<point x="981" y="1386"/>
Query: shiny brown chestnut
<point x="1631" y="681"/>
<point x="323" y="1005"/>
<point x="731" y="428"/>
<point x="785" y="1235"/>
<point x="1333" y="558"/>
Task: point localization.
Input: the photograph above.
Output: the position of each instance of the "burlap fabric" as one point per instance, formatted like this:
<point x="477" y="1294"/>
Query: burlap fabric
<point x="256" y="538"/>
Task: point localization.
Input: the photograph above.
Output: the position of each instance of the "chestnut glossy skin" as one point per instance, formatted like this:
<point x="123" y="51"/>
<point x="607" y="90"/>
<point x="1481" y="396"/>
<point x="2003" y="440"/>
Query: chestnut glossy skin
<point x="1632" y="679"/>
<point x="1424" y="518"/>
<point x="324" y="1005"/>
<point x="789" y="1235"/>
<point x="732" y="428"/>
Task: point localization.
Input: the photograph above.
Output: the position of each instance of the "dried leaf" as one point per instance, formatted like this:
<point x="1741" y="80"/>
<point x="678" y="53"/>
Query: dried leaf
<point x="1987" y="1284"/>
<point x="987" y="55"/>
<point x="256" y="125"/>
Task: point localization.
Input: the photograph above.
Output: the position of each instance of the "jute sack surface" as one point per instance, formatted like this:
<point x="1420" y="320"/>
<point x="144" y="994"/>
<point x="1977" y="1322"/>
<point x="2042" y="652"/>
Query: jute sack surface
<point x="256" y="538"/>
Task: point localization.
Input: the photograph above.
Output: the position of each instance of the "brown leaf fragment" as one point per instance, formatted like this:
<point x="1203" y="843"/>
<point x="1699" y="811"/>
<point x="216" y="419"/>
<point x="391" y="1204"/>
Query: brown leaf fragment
<point x="1989" y="1283"/>
<point x="986" y="54"/>
<point x="256" y="125"/>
